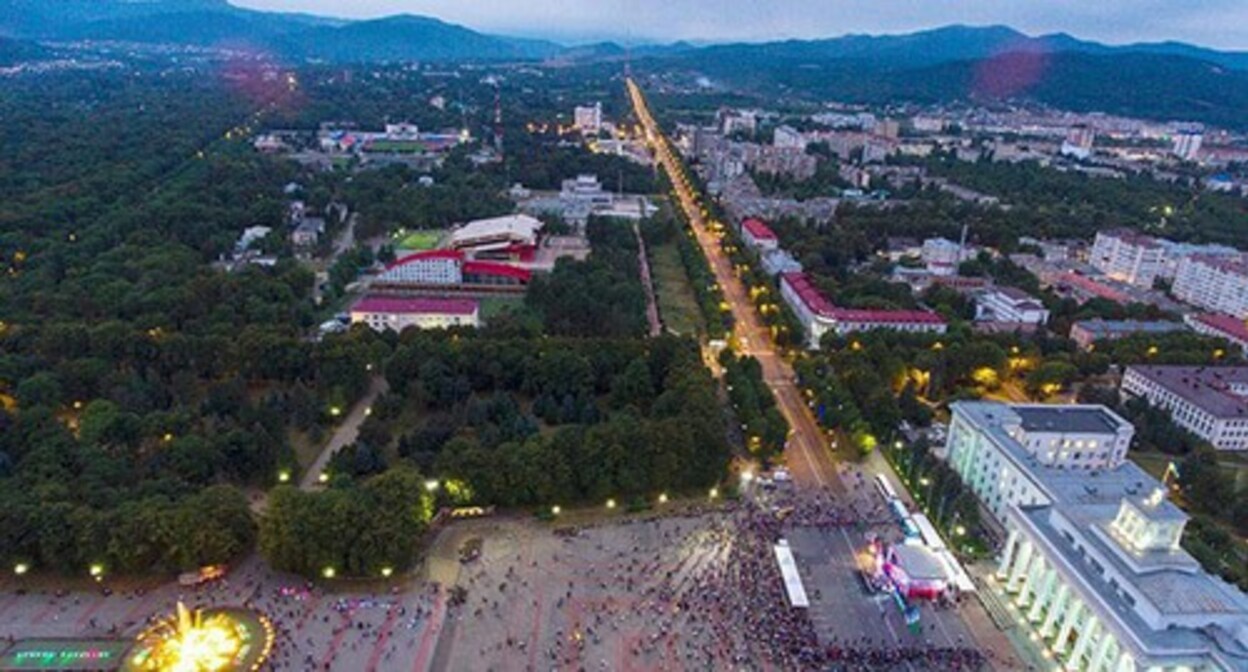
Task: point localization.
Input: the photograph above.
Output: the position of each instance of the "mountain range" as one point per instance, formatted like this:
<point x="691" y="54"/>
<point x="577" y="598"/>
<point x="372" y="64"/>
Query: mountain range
<point x="1163" y="79"/>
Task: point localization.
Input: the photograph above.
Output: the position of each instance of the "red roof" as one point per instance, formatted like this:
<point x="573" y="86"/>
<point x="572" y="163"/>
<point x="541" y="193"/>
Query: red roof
<point x="399" y="305"/>
<point x="1233" y="327"/>
<point x="1093" y="287"/>
<point x="496" y="268"/>
<point x="819" y="304"/>
<point x="427" y="254"/>
<point x="758" y="230"/>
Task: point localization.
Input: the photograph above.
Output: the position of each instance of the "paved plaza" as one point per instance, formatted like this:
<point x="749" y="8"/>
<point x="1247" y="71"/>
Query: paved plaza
<point x="695" y="590"/>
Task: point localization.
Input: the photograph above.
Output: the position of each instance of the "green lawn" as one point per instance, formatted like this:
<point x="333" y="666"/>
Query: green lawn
<point x="678" y="305"/>
<point x="419" y="240"/>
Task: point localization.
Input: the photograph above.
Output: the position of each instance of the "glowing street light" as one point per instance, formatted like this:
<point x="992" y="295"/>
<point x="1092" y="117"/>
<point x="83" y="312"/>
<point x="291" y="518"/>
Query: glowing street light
<point x="663" y="498"/>
<point x="959" y="531"/>
<point x="323" y="477"/>
<point x="283" y="476"/>
<point x="335" y="411"/>
<point x="97" y="571"/>
<point x="747" y="476"/>
<point x="556" y="510"/>
<point x="386" y="572"/>
<point x="21" y="568"/>
<point x="611" y="503"/>
<point x="714" y="493"/>
<point x="329" y="572"/>
<point x="432" y="485"/>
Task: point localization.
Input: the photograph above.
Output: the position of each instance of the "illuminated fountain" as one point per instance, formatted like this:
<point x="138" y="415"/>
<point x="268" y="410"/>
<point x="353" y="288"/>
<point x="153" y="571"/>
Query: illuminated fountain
<point x="208" y="640"/>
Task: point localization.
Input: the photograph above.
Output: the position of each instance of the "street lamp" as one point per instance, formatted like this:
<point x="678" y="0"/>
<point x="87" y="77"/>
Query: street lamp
<point x="556" y="510"/>
<point x="283" y="476"/>
<point x="21" y="568"/>
<point x="611" y="503"/>
<point x="329" y="572"/>
<point x="714" y="493"/>
<point x="97" y="571"/>
<point x="323" y="478"/>
<point x="663" y="498"/>
<point x="431" y="485"/>
<point x="386" y="572"/>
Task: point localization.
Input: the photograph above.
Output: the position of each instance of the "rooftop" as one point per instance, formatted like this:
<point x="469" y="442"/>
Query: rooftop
<point x="1099" y="327"/>
<point x="1230" y="265"/>
<point x="1072" y="418"/>
<point x="821" y="306"/>
<point x="758" y="230"/>
<point x="1219" y="390"/>
<point x="409" y="306"/>
<point x="1233" y="327"/>
<point x="1132" y="238"/>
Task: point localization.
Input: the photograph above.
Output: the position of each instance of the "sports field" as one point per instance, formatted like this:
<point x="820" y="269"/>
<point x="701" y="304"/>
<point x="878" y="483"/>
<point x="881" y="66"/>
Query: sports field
<point x="418" y="240"/>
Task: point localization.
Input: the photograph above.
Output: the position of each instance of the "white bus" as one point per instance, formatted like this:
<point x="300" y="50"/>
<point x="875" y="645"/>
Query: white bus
<point x="886" y="491"/>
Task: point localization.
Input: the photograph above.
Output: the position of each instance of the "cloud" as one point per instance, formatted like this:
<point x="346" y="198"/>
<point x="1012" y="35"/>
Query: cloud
<point x="1218" y="23"/>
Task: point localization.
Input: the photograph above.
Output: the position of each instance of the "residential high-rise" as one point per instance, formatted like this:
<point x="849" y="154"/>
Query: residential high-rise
<point x="1216" y="283"/>
<point x="1127" y="256"/>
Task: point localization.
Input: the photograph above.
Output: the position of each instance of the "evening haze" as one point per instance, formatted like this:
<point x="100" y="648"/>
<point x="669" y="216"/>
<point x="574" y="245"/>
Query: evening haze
<point x="1216" y="23"/>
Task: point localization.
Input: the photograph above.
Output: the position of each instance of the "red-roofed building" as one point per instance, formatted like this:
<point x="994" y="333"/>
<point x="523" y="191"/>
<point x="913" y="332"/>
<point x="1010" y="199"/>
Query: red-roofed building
<point x="819" y="316"/>
<point x="398" y="313"/>
<point x="452" y="268"/>
<point x="757" y="235"/>
<point x="1231" y="328"/>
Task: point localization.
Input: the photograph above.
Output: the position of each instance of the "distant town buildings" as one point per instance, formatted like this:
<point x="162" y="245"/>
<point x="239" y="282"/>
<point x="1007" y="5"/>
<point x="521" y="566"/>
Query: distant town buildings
<point x="1092" y="557"/>
<point x="1086" y="332"/>
<point x="382" y="313"/>
<point x="1214" y="283"/>
<point x="787" y="137"/>
<point x="818" y="316"/>
<point x="588" y="118"/>
<point x="1208" y="401"/>
<point x="1078" y="143"/>
<point x="1186" y="144"/>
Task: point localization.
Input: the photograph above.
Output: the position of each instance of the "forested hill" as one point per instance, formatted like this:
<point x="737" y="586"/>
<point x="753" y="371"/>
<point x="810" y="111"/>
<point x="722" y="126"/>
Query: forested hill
<point x="1147" y="85"/>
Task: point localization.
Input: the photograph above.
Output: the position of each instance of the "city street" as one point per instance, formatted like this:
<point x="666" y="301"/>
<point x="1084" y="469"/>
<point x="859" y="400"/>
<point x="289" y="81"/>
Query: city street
<point x="842" y="610"/>
<point x="807" y="455"/>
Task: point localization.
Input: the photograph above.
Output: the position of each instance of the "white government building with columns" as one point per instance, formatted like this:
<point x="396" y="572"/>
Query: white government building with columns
<point x="1092" y="562"/>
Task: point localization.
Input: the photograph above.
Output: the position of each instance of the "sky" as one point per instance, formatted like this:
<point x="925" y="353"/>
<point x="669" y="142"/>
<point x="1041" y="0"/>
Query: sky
<point x="1215" y="23"/>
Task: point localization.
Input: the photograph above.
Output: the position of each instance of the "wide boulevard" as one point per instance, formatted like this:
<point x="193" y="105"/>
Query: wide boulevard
<point x="807" y="455"/>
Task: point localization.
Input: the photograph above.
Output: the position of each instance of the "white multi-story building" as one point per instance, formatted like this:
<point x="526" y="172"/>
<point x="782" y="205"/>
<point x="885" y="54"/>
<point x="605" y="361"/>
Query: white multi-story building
<point x="1176" y="252"/>
<point x="1218" y="284"/>
<point x="1208" y="401"/>
<point x="588" y="118"/>
<point x="395" y="313"/>
<point x="942" y="256"/>
<point x="1128" y="256"/>
<point x="1010" y="304"/>
<point x="1092" y="562"/>
<point x="818" y="316"/>
<point x="787" y="137"/>
<point x="1079" y="141"/>
<point x="1187" y="144"/>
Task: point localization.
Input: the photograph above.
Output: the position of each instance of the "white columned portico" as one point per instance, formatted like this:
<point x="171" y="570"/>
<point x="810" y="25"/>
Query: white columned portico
<point x="1055" y="611"/>
<point x="1028" y="591"/>
<point x="1021" y="561"/>
<point x="1068" y="623"/>
<point x="1101" y="654"/>
<point x="1087" y="635"/>
<point x="1011" y="549"/>
<point x="1044" y="594"/>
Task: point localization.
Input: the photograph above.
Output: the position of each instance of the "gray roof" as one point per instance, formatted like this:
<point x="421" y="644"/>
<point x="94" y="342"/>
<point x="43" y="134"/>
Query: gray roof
<point x="1207" y="387"/>
<point x="1082" y="419"/>
<point x="1100" y="328"/>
